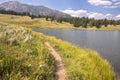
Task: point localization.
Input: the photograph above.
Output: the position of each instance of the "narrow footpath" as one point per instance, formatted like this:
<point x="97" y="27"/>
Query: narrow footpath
<point x="60" y="72"/>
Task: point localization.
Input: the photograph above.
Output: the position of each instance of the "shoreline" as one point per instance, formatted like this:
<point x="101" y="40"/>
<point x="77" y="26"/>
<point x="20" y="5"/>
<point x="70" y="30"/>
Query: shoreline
<point x="90" y="29"/>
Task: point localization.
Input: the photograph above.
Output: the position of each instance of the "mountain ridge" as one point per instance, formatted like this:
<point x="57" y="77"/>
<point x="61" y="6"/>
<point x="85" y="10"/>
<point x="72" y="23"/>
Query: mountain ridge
<point x="32" y="9"/>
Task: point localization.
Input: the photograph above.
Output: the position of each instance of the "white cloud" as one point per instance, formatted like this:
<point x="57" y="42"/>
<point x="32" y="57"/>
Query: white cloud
<point x="114" y="6"/>
<point x="118" y="17"/>
<point x="99" y="15"/>
<point x="75" y="13"/>
<point x="115" y="0"/>
<point x="117" y="3"/>
<point x="105" y="3"/>
<point x="84" y="13"/>
<point x="100" y="2"/>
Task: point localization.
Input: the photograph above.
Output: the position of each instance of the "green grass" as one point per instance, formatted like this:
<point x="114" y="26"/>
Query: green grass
<point x="21" y="59"/>
<point x="23" y="55"/>
<point x="81" y="64"/>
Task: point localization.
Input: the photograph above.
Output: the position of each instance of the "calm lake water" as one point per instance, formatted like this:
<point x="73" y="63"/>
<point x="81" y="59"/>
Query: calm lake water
<point x="107" y="43"/>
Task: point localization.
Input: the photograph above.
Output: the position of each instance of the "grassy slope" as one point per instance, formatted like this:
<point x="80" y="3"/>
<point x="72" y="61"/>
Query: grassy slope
<point x="28" y="22"/>
<point x="42" y="23"/>
<point x="23" y="55"/>
<point x="82" y="64"/>
<point x="21" y="59"/>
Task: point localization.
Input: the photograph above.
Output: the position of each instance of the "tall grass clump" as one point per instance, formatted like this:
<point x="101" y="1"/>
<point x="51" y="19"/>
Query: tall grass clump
<point x="23" y="55"/>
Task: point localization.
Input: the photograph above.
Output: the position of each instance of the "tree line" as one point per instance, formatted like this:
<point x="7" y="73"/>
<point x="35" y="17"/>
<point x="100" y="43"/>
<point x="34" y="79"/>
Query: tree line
<point x="83" y="22"/>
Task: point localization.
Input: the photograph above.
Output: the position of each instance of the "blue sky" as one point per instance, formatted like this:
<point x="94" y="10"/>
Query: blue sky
<point x="79" y="8"/>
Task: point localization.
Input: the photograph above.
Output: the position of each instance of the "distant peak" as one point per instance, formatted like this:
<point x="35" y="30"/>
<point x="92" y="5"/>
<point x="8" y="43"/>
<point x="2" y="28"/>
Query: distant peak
<point x="14" y="1"/>
<point x="17" y="6"/>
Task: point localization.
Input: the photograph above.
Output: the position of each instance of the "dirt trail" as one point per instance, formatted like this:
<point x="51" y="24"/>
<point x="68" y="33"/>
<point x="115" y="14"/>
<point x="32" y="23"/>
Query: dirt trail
<point x="60" y="73"/>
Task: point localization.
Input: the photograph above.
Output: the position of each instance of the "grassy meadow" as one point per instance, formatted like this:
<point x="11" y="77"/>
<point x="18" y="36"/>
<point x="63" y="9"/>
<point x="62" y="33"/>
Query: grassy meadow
<point x="26" y="21"/>
<point x="24" y="56"/>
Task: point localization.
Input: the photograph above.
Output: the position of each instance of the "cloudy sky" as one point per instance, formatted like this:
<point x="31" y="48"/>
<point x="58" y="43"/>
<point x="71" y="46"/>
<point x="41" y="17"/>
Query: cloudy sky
<point x="78" y="8"/>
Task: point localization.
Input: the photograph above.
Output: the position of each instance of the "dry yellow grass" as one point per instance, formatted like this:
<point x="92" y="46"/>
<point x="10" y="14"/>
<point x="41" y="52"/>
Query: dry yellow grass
<point x="28" y="22"/>
<point x="111" y="27"/>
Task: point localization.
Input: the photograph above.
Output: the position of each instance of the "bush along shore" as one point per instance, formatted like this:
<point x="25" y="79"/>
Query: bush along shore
<point x="24" y="56"/>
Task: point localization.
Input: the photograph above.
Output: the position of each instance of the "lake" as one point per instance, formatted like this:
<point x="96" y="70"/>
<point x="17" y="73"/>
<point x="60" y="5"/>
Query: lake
<point x="106" y="43"/>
